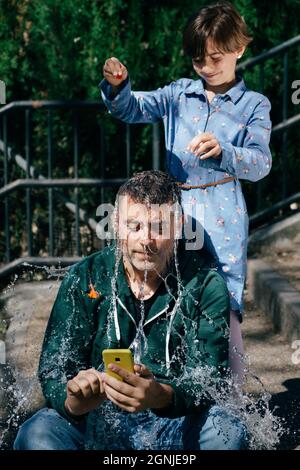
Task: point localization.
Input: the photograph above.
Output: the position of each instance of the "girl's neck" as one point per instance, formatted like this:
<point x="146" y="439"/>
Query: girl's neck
<point x="220" y="89"/>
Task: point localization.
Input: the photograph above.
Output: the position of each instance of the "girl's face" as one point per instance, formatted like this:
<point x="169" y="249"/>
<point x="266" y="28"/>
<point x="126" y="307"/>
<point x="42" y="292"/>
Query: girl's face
<point x="218" y="68"/>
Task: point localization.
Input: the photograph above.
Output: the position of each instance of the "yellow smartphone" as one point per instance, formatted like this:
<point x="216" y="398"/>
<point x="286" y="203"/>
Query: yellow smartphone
<point x="121" y="357"/>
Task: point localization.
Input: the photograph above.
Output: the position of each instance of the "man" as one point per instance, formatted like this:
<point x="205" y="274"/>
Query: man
<point x="149" y="294"/>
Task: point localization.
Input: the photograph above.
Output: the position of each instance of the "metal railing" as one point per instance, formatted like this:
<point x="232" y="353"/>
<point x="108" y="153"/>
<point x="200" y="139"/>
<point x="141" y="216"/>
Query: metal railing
<point x="32" y="180"/>
<point x="286" y="123"/>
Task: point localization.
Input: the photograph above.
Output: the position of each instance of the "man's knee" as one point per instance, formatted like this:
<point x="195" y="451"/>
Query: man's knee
<point x="31" y="432"/>
<point x="223" y="431"/>
<point x="46" y="430"/>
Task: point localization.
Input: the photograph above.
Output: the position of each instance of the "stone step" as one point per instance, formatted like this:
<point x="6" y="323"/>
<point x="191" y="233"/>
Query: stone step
<point x="27" y="308"/>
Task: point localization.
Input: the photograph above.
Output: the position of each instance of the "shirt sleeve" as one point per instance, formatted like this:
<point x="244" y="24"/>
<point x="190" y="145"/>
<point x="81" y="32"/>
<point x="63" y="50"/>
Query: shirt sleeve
<point x="253" y="160"/>
<point x="139" y="106"/>
<point x="67" y="343"/>
<point x="207" y="341"/>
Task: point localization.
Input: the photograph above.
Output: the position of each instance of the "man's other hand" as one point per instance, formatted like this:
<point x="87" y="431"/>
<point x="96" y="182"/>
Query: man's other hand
<point x="85" y="392"/>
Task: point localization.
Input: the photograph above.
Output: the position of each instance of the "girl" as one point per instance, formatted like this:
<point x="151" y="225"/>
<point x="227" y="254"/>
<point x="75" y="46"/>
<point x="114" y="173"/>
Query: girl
<point x="216" y="131"/>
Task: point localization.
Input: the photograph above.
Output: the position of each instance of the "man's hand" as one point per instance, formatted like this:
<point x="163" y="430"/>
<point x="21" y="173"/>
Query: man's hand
<point x="84" y="392"/>
<point x="114" y="72"/>
<point x="204" y="146"/>
<point x="138" y="392"/>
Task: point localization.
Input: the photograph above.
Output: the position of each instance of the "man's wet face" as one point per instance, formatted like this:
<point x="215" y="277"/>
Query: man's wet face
<point x="146" y="234"/>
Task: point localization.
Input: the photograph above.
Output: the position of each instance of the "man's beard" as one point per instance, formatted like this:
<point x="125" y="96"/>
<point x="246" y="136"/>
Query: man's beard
<point x="148" y="265"/>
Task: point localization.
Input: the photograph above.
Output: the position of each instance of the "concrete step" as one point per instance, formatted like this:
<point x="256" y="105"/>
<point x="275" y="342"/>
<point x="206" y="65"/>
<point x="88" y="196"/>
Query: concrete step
<point x="271" y="284"/>
<point x="276" y="297"/>
<point x="288" y="229"/>
<point x="26" y="308"/>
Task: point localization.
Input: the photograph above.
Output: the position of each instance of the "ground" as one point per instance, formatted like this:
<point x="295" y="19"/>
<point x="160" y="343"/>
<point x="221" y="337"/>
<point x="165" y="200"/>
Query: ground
<point x="270" y="358"/>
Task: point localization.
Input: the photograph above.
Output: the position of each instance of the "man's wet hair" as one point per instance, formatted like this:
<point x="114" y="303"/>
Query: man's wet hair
<point x="151" y="187"/>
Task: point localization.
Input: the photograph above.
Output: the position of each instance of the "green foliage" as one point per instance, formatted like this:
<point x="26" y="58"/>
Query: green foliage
<point x="56" y="49"/>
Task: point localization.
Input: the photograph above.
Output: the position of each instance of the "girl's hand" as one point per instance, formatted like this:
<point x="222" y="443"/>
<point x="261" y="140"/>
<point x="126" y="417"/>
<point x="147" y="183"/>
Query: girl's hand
<point x="204" y="146"/>
<point x="114" y="71"/>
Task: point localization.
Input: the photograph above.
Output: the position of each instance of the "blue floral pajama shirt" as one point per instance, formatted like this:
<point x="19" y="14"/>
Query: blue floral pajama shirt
<point x="240" y="121"/>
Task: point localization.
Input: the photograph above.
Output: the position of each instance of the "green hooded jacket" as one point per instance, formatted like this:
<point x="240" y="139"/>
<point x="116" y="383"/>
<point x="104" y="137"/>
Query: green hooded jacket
<point x="186" y="328"/>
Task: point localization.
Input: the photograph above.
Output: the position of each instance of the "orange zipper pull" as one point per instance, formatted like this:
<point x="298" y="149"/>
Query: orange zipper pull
<point x="93" y="294"/>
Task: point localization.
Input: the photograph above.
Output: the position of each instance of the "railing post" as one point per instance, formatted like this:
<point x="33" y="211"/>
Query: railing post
<point x="102" y="161"/>
<point x="259" y="187"/>
<point x="6" y="201"/>
<point x="128" y="163"/>
<point x="28" y="190"/>
<point x="284" y="150"/>
<point x="261" y="77"/>
<point x="50" y="190"/>
<point x="155" y="146"/>
<point x="76" y="154"/>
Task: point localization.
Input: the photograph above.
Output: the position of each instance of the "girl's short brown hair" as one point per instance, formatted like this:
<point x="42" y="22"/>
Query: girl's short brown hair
<point x="221" y="23"/>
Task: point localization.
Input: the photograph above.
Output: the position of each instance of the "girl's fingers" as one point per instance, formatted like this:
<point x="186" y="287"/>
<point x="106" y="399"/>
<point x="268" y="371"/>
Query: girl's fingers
<point x="212" y="153"/>
<point x="114" y="71"/>
<point x="194" y="144"/>
<point x="203" y="148"/>
<point x="124" y="72"/>
<point x="112" y="65"/>
<point x="109" y="66"/>
<point x="209" y="154"/>
<point x="107" y="71"/>
<point x="108" y="74"/>
<point x="199" y="140"/>
<point x="116" y="67"/>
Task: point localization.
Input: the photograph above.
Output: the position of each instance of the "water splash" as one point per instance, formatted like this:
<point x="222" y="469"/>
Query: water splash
<point x="264" y="429"/>
<point x="20" y="394"/>
<point x="49" y="271"/>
